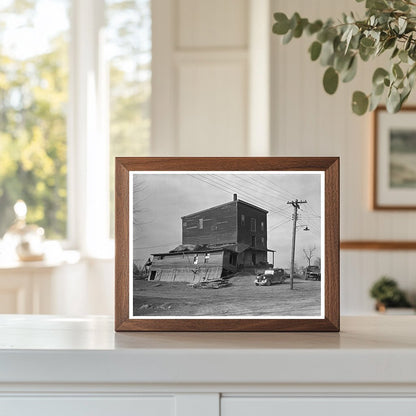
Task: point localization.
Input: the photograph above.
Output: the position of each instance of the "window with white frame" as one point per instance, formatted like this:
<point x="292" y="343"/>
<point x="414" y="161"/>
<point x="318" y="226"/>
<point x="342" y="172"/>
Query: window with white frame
<point x="34" y="75"/>
<point x="75" y="86"/>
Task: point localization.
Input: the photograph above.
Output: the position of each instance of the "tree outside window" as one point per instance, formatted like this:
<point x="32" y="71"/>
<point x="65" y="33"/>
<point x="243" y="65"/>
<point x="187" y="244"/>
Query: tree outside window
<point x="34" y="102"/>
<point x="33" y="111"/>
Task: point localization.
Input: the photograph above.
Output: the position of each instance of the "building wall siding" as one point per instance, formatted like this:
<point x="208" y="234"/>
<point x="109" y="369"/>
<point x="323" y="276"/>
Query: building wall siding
<point x="181" y="268"/>
<point x="218" y="226"/>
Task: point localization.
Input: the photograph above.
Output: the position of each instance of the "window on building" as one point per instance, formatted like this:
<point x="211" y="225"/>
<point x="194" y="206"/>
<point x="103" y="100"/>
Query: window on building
<point x="262" y="241"/>
<point x="206" y="258"/>
<point x="57" y="148"/>
<point x="184" y="223"/>
<point x="129" y="56"/>
<point x="253" y="241"/>
<point x="262" y="226"/>
<point x="253" y="225"/>
<point x="201" y="223"/>
<point x="196" y="259"/>
<point x="243" y="219"/>
<point x="233" y="259"/>
<point x="34" y="67"/>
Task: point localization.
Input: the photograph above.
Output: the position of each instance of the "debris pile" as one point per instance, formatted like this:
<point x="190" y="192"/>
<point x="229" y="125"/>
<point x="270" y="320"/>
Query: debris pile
<point x="212" y="284"/>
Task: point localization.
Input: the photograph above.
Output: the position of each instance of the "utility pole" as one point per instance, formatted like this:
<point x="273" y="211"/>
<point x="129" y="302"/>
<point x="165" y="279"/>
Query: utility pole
<point x="296" y="205"/>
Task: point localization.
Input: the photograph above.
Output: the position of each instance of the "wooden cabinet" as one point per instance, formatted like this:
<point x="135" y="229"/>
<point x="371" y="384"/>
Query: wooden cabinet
<point x="322" y="406"/>
<point x="79" y="366"/>
<point x="88" y="406"/>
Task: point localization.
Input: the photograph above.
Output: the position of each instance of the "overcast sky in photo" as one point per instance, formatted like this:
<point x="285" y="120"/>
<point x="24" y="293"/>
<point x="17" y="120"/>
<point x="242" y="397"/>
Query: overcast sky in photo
<point x="160" y="200"/>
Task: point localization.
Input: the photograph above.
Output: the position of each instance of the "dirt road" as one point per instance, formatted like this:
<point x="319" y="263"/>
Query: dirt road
<point x="242" y="297"/>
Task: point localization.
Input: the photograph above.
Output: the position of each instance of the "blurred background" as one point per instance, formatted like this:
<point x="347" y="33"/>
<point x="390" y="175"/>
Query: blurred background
<point x="83" y="81"/>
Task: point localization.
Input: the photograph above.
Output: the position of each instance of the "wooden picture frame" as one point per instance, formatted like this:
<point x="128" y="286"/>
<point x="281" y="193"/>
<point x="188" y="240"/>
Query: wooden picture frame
<point x="156" y="175"/>
<point x="394" y="184"/>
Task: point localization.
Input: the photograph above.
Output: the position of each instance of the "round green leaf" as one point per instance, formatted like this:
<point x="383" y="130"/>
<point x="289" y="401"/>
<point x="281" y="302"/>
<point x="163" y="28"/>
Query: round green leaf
<point x="365" y="53"/>
<point x="327" y="54"/>
<point x="342" y="61"/>
<point x="330" y="80"/>
<point x="378" y="90"/>
<point x="403" y="55"/>
<point x="351" y="71"/>
<point x="397" y="71"/>
<point x="294" y="20"/>
<point x="298" y="30"/>
<point x="403" y="96"/>
<point x="374" y="102"/>
<point x="367" y="42"/>
<point x="281" y="27"/>
<point x="389" y="43"/>
<point x="395" y="52"/>
<point x="288" y="37"/>
<point x="322" y="36"/>
<point x="315" y="50"/>
<point x="376" y="4"/>
<point x="314" y="27"/>
<point x="359" y="103"/>
<point x="379" y="75"/>
<point x="393" y="101"/>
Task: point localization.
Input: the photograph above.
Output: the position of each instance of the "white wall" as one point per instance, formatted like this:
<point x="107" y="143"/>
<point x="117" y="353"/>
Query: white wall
<point x="308" y="122"/>
<point x="201" y="83"/>
<point x="211" y="71"/>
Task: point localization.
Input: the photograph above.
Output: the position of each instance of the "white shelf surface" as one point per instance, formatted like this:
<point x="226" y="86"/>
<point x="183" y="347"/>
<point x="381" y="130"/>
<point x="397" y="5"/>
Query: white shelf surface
<point x="53" y="349"/>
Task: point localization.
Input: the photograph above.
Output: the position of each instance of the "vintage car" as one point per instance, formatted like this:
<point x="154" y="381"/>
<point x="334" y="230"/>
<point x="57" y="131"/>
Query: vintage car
<point x="270" y="277"/>
<point x="313" y="273"/>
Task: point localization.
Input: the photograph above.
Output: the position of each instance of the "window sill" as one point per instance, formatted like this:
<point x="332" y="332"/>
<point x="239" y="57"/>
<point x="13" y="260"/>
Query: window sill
<point x="59" y="259"/>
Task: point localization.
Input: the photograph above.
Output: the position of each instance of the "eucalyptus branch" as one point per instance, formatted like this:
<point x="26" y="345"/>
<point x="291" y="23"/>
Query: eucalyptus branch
<point x="388" y="25"/>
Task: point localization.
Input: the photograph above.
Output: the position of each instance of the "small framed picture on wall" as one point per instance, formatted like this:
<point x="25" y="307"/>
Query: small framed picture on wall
<point x="394" y="178"/>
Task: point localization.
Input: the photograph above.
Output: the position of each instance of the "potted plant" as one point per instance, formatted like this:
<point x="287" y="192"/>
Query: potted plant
<point x="387" y="294"/>
<point x="389" y="27"/>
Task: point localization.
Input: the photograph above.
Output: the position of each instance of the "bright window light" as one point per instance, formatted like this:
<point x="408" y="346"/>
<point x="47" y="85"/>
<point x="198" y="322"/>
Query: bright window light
<point x="129" y="51"/>
<point x="33" y="102"/>
<point x="74" y="93"/>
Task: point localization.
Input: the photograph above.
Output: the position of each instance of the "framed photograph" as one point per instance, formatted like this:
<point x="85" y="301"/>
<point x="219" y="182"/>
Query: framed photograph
<point x="227" y="244"/>
<point x="394" y="179"/>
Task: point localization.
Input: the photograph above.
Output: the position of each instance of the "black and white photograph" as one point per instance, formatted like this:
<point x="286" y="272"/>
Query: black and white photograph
<point x="226" y="244"/>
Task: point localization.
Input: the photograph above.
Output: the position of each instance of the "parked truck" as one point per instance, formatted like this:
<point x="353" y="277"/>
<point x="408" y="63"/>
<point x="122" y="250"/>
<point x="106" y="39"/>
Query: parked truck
<point x="313" y="273"/>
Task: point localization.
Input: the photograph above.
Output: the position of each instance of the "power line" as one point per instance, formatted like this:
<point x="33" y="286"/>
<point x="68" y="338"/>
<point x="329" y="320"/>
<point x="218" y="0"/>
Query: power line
<point x="234" y="187"/>
<point x="296" y="205"/>
<point x="279" y="225"/>
<point x="225" y="187"/>
<point x="258" y="184"/>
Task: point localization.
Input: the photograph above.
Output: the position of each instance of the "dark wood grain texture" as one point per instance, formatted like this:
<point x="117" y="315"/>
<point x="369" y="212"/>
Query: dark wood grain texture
<point x="330" y="165"/>
<point x="121" y="245"/>
<point x="378" y="245"/>
<point x="375" y="204"/>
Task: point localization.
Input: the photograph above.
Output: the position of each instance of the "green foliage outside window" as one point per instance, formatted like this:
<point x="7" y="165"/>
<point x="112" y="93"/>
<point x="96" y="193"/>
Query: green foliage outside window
<point x="34" y="104"/>
<point x="129" y="41"/>
<point x="33" y="99"/>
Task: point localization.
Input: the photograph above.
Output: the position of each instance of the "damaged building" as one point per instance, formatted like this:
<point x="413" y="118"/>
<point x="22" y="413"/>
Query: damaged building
<point x="215" y="242"/>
